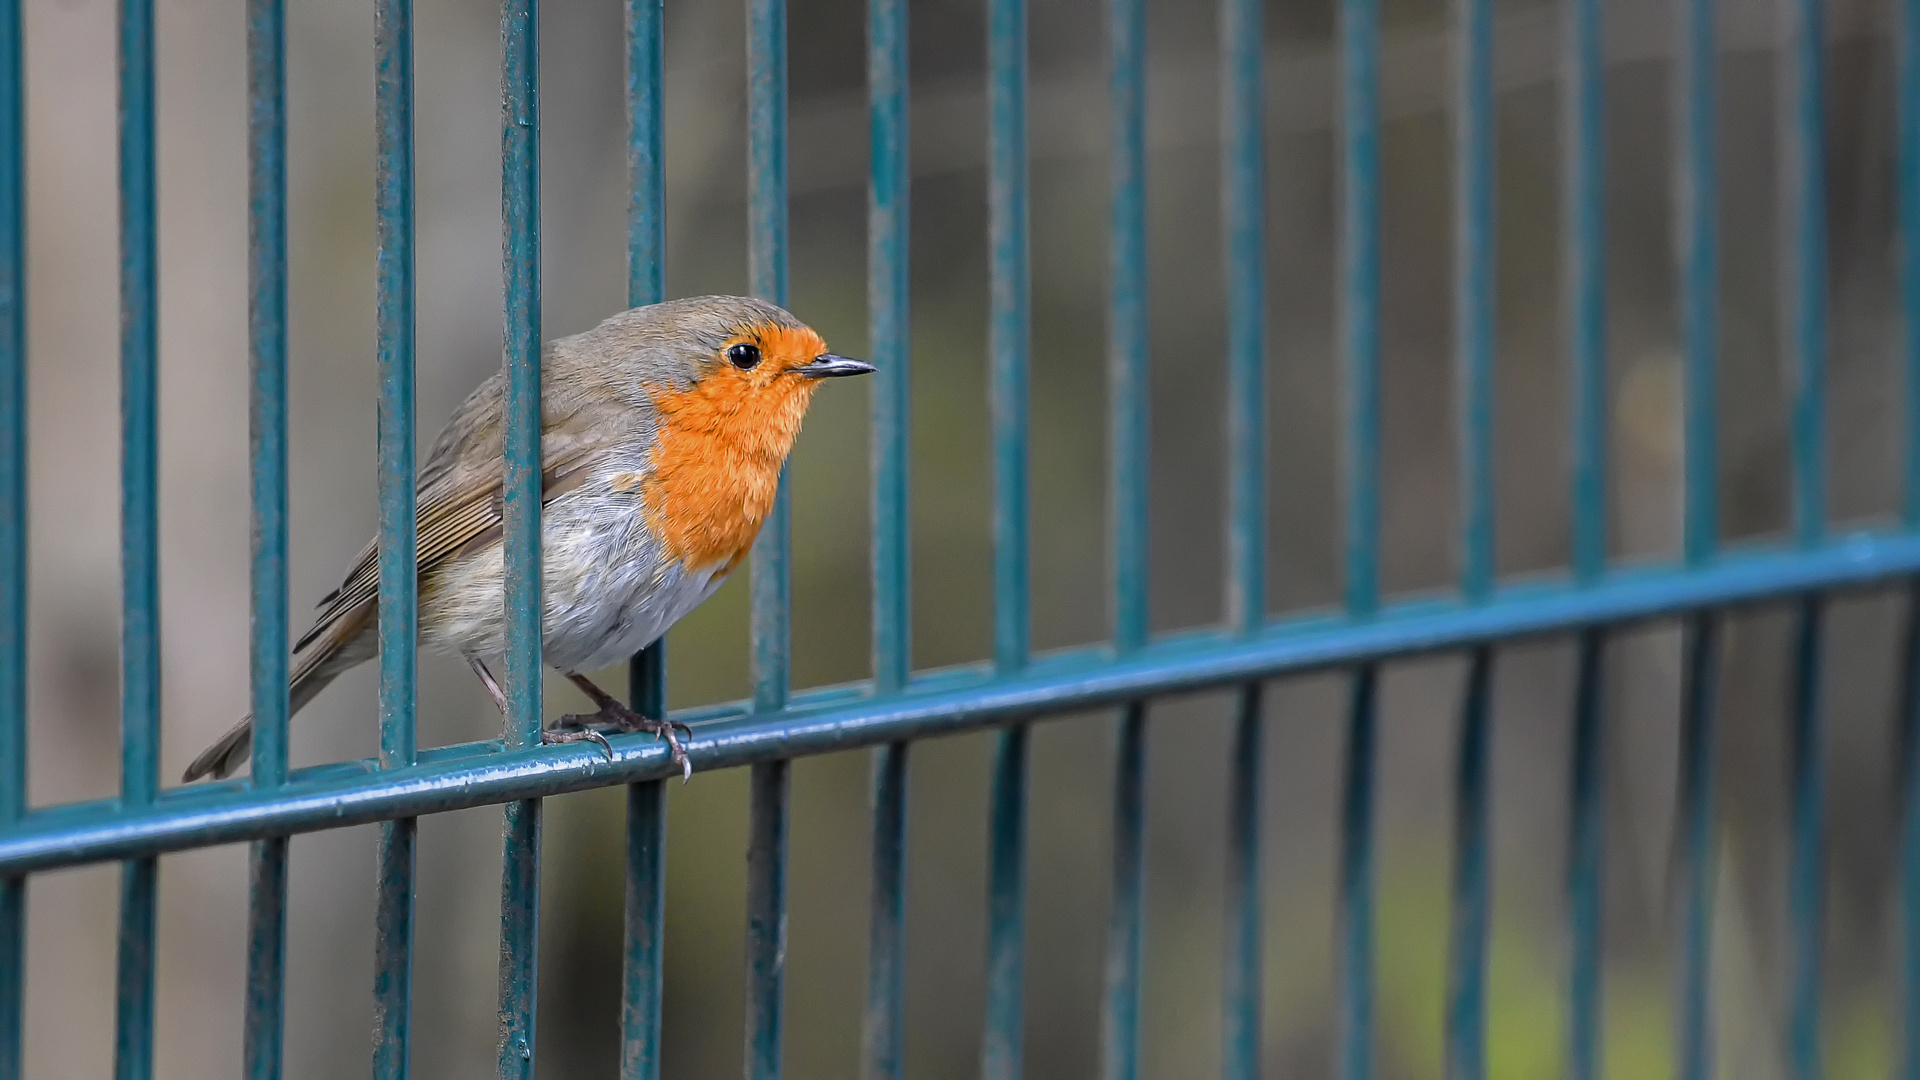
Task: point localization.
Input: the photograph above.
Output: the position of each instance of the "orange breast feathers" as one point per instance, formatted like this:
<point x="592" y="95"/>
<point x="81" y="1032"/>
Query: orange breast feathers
<point x="716" y="466"/>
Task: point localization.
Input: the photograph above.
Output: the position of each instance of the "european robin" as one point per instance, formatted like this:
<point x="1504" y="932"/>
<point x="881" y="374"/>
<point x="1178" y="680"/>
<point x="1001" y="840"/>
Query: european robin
<point x="663" y="432"/>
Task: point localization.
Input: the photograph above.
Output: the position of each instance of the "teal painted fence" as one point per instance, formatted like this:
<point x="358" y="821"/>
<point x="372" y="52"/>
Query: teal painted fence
<point x="1589" y="602"/>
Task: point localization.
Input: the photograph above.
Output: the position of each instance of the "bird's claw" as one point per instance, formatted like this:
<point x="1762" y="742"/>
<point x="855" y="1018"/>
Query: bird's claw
<point x="575" y="727"/>
<point x="554" y="736"/>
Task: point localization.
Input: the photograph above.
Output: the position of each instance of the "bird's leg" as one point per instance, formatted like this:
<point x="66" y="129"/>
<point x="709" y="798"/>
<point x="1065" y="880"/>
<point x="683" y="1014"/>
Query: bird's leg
<point x="500" y="702"/>
<point x="486" y="677"/>
<point x="576" y="727"/>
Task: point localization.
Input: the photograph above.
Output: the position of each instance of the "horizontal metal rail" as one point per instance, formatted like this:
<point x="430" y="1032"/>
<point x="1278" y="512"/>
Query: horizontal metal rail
<point x="937" y="703"/>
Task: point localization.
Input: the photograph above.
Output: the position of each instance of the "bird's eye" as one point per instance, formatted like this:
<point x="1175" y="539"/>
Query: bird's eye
<point x="744" y="356"/>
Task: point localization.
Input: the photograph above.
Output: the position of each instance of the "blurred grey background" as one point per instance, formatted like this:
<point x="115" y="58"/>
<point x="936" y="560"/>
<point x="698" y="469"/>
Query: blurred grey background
<point x="73" y="336"/>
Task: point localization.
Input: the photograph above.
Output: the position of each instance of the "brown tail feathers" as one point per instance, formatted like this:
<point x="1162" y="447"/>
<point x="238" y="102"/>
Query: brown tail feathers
<point x="346" y="644"/>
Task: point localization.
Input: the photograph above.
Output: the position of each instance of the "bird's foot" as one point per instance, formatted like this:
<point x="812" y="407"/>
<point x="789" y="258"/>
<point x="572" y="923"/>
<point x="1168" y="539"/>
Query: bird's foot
<point x="584" y="727"/>
<point x="556" y="735"/>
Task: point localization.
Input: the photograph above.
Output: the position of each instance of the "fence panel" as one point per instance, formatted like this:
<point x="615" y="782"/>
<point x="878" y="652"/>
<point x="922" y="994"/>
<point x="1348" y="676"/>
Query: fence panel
<point x="1590" y="603"/>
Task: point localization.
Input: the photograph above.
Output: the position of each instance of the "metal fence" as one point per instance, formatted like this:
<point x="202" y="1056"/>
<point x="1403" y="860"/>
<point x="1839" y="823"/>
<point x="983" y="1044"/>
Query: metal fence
<point x="900" y="705"/>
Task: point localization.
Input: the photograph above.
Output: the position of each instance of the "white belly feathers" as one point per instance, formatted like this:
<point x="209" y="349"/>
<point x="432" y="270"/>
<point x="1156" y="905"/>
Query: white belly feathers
<point x="610" y="588"/>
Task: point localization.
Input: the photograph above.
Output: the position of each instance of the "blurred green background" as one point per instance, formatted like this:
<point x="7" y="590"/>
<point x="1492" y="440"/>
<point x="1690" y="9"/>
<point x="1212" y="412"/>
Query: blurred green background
<point x="204" y="524"/>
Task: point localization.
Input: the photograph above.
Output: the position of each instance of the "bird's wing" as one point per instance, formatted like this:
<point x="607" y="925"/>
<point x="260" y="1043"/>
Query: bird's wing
<point x="459" y="486"/>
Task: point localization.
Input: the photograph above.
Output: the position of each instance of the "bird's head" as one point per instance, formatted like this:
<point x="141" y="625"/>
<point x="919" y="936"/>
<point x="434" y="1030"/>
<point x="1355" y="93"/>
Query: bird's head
<point x="729" y="379"/>
<point x="734" y="353"/>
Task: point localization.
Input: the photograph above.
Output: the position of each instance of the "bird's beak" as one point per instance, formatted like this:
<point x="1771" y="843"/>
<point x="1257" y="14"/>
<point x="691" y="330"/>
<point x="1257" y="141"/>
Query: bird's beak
<point x="829" y="366"/>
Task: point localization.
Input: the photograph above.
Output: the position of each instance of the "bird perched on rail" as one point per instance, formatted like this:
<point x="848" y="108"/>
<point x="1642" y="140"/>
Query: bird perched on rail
<point x="663" y="432"/>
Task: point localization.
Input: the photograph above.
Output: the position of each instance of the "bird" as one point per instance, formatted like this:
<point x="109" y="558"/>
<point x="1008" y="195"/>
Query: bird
<point x="664" y="430"/>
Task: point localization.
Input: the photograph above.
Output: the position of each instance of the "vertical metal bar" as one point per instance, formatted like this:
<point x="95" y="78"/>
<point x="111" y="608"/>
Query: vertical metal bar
<point x="1698" y="713"/>
<point x="1242" y="1000"/>
<point x="1010" y="328"/>
<point x="399" y="616"/>
<point x="1356" y="884"/>
<point x="1129" y="383"/>
<point x="520" y="212"/>
<point x="766" y="918"/>
<point x="1804" y="880"/>
<point x="1120" y="1027"/>
<point x="267" y="333"/>
<point x="1009" y="337"/>
<point x="642" y="959"/>
<point x="767" y="149"/>
<point x="1243" y="204"/>
<point x="139" y="532"/>
<point x="767" y="272"/>
<point x="883" y="1046"/>
<point x="1360" y="332"/>
<point x="1003" y="1047"/>
<point x="13" y="521"/>
<point x="1584" y="863"/>
<point x="888" y="307"/>
<point x="266" y="959"/>
<point x="1804" y="214"/>
<point x="520" y="185"/>
<point x="643" y="954"/>
<point x="767" y="279"/>
<point x="265" y="1023"/>
<point x="133" y="983"/>
<point x="395" y="317"/>
<point x="393" y="947"/>
<point x="519" y="938"/>
<point x="1472" y="905"/>
<point x="139" y="349"/>
<point x="646" y="159"/>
